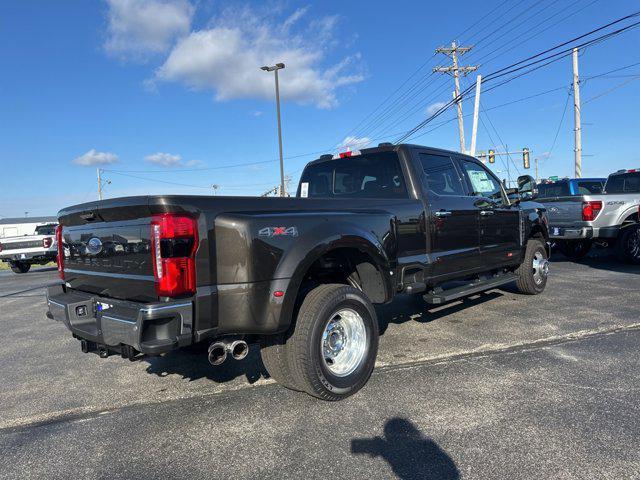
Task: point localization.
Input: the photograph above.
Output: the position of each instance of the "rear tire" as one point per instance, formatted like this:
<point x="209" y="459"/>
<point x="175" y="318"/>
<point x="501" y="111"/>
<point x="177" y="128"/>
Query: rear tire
<point x="273" y="351"/>
<point x="333" y="347"/>
<point x="575" y="249"/>
<point x="533" y="271"/>
<point x="20" y="267"/>
<point x="627" y="246"/>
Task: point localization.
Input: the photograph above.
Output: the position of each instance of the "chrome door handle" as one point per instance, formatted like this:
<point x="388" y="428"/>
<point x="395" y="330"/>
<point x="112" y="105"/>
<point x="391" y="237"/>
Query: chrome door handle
<point x="442" y="213"/>
<point x="484" y="213"/>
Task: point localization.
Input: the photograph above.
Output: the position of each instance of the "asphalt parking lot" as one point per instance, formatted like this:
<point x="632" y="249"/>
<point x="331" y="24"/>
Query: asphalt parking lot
<point x="497" y="386"/>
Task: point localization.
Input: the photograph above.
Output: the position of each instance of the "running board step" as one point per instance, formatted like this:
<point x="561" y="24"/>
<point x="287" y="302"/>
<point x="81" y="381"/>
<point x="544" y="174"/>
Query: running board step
<point x="444" y="296"/>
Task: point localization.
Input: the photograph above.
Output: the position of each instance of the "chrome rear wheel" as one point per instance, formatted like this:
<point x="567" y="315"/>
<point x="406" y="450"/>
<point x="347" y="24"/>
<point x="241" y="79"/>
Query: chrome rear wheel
<point x="344" y="342"/>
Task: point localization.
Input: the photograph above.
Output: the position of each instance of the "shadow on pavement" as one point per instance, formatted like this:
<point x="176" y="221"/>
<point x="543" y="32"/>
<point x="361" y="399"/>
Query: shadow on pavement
<point x="410" y="454"/>
<point x="601" y="259"/>
<point x="193" y="364"/>
<point x="413" y="307"/>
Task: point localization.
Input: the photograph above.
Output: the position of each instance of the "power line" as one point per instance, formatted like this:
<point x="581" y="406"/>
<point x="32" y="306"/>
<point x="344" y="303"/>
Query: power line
<point x="499" y="138"/>
<point x="487" y="16"/>
<point x="503" y="71"/>
<point x="492" y="34"/>
<point x="564" y="112"/>
<point x="612" y="71"/>
<point x="393" y="107"/>
<point x="530" y="62"/>
<point x="536" y="34"/>
<point x="392" y="110"/>
<point x="613" y="89"/>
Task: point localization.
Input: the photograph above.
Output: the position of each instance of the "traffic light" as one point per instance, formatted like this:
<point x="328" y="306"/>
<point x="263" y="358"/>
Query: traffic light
<point x="525" y="157"/>
<point x="492" y="156"/>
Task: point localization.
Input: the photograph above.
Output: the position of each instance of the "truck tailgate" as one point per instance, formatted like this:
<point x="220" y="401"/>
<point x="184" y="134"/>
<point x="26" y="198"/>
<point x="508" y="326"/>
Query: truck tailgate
<point x="107" y="250"/>
<point x="564" y="211"/>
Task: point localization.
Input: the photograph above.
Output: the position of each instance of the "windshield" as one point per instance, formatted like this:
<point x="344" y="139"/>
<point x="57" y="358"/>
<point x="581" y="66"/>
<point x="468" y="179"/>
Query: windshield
<point x="550" y="190"/>
<point x="46" y="230"/>
<point x="375" y="175"/>
<point x="623" y="183"/>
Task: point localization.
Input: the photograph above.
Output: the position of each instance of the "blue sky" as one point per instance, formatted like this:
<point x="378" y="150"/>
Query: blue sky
<point x="152" y="88"/>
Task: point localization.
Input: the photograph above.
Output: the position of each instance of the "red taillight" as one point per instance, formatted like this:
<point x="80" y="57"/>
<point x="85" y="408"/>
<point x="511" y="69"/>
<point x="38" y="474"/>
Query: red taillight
<point x="60" y="257"/>
<point x="0" y="247"/>
<point x="174" y="241"/>
<point x="47" y="242"/>
<point x="590" y="210"/>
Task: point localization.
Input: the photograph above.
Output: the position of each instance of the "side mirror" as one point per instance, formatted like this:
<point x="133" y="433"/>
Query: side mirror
<point x="527" y="188"/>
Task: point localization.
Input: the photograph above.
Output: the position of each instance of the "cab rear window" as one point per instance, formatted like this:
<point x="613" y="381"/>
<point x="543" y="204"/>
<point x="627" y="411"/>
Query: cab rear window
<point x="589" y="188"/>
<point x="623" y="183"/>
<point x="550" y="190"/>
<point x="46" y="230"/>
<point x="376" y="175"/>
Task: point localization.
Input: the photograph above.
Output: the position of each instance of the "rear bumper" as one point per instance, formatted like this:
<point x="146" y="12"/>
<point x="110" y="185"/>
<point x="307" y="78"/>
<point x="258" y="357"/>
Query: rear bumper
<point x="149" y="328"/>
<point x="570" y="233"/>
<point x="579" y="233"/>
<point x="27" y="256"/>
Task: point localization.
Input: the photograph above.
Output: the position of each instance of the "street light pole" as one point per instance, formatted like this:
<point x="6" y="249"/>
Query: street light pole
<point x="275" y="69"/>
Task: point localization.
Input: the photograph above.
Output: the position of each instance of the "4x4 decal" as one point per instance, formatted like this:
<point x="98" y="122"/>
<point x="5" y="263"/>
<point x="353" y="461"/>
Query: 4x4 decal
<point x="278" y="232"/>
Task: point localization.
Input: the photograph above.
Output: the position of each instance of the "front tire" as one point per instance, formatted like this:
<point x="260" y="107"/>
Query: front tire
<point x="333" y="347"/>
<point x="628" y="244"/>
<point x="534" y="269"/>
<point x="20" y="267"/>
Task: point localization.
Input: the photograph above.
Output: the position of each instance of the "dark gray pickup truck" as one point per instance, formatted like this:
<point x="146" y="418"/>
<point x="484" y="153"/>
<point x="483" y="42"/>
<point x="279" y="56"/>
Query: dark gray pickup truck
<point x="300" y="276"/>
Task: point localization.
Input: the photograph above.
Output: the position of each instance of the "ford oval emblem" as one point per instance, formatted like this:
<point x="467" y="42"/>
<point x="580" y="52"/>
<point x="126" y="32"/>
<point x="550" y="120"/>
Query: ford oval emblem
<point x="94" y="246"/>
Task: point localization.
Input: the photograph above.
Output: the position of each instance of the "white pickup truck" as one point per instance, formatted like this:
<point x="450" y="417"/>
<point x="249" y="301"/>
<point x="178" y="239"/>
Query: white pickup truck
<point x="610" y="219"/>
<point x="22" y="252"/>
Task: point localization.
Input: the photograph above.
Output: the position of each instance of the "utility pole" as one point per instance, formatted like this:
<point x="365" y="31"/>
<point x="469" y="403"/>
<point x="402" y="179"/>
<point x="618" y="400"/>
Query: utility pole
<point x="275" y="68"/>
<point x="476" y="111"/>
<point x="536" y="162"/>
<point x="455" y="70"/>
<point x="99" y="184"/>
<point x="576" y="116"/>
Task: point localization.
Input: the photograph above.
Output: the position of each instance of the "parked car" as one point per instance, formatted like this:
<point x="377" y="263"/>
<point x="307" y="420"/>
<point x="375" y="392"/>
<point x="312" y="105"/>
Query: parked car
<point x="22" y="252"/>
<point x="571" y="186"/>
<point x="610" y="218"/>
<point x="298" y="275"/>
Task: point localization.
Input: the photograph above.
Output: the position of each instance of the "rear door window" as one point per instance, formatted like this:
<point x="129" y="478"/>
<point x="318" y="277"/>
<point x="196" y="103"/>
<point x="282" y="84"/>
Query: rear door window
<point x="440" y="175"/>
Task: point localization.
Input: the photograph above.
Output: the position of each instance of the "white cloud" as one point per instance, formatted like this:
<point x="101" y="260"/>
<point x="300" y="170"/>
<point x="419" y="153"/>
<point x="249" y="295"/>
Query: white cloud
<point x="138" y="28"/>
<point x="354" y="143"/>
<point x="226" y="56"/>
<point x="164" y="159"/>
<point x="434" y="107"/>
<point x="194" y="163"/>
<point x="96" y="158"/>
<point x="257" y="113"/>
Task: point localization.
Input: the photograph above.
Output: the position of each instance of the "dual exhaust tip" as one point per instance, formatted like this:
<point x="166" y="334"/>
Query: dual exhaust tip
<point x="218" y="351"/>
